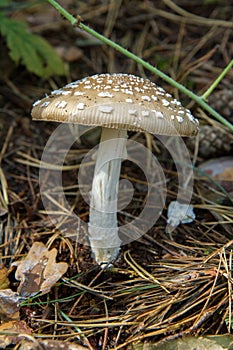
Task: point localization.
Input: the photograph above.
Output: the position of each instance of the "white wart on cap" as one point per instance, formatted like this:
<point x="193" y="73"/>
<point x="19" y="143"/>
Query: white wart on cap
<point x="117" y="101"/>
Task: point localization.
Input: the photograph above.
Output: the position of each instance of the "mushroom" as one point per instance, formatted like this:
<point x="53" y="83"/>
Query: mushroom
<point x="117" y="103"/>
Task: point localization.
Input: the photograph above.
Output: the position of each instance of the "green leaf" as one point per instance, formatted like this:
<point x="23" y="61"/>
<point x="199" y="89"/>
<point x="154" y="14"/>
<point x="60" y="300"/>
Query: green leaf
<point x="4" y="3"/>
<point x="30" y="49"/>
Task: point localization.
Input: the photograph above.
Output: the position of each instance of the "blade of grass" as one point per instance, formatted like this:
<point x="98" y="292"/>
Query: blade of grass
<point x="80" y="334"/>
<point x="217" y="81"/>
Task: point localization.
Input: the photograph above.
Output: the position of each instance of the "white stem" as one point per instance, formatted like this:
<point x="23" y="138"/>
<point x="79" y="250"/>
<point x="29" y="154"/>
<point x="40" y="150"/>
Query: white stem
<point x="103" y="228"/>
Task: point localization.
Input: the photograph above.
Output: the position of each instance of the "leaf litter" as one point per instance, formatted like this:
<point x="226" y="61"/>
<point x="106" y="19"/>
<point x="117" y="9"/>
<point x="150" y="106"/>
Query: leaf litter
<point x="38" y="272"/>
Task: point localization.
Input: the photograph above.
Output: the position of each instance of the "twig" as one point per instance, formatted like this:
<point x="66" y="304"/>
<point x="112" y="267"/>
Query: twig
<point x="195" y="18"/>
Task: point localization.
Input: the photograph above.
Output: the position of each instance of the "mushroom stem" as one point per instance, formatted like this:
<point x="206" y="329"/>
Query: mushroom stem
<point x="103" y="227"/>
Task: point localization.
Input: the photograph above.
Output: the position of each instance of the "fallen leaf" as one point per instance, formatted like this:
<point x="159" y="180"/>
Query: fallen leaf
<point x="39" y="271"/>
<point x="221" y="170"/>
<point x="4" y="282"/>
<point x="12" y="333"/>
<point x="226" y="175"/>
<point x="9" y="304"/>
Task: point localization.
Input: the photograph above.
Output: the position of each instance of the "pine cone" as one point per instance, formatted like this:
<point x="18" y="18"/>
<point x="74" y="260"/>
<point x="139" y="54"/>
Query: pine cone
<point x="222" y="102"/>
<point x="214" y="142"/>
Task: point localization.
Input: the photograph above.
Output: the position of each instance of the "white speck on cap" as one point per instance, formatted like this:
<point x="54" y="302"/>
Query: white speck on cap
<point x="179" y="119"/>
<point x="145" y="113"/>
<point x="132" y="111"/>
<point x="36" y="103"/>
<point x="159" y="93"/>
<point x="105" y="94"/>
<point x="60" y="104"/>
<point x="158" y="114"/>
<point x="191" y="118"/>
<point x="175" y="102"/>
<point x="165" y="102"/>
<point x="146" y="98"/>
<point x="160" y="89"/>
<point x="127" y="91"/>
<point x="117" y="101"/>
<point x="79" y="93"/>
<point x="45" y="104"/>
<point x="80" y="105"/>
<point x="105" y="109"/>
<point x="71" y="85"/>
<point x="57" y="92"/>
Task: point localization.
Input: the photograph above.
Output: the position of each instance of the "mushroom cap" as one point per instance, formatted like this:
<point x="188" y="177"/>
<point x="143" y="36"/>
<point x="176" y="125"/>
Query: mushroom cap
<point x="117" y="101"/>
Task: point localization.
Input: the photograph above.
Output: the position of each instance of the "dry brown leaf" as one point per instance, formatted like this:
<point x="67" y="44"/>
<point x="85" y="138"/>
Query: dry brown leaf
<point x="12" y="333"/>
<point x="221" y="170"/>
<point x="39" y="271"/>
<point x="9" y="304"/>
<point x="4" y="282"/>
<point x="226" y="175"/>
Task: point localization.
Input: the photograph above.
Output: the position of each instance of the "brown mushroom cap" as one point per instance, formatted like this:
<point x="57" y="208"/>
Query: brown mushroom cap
<point x="117" y="101"/>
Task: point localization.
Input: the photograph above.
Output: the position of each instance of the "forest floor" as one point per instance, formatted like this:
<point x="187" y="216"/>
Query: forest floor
<point x="162" y="286"/>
